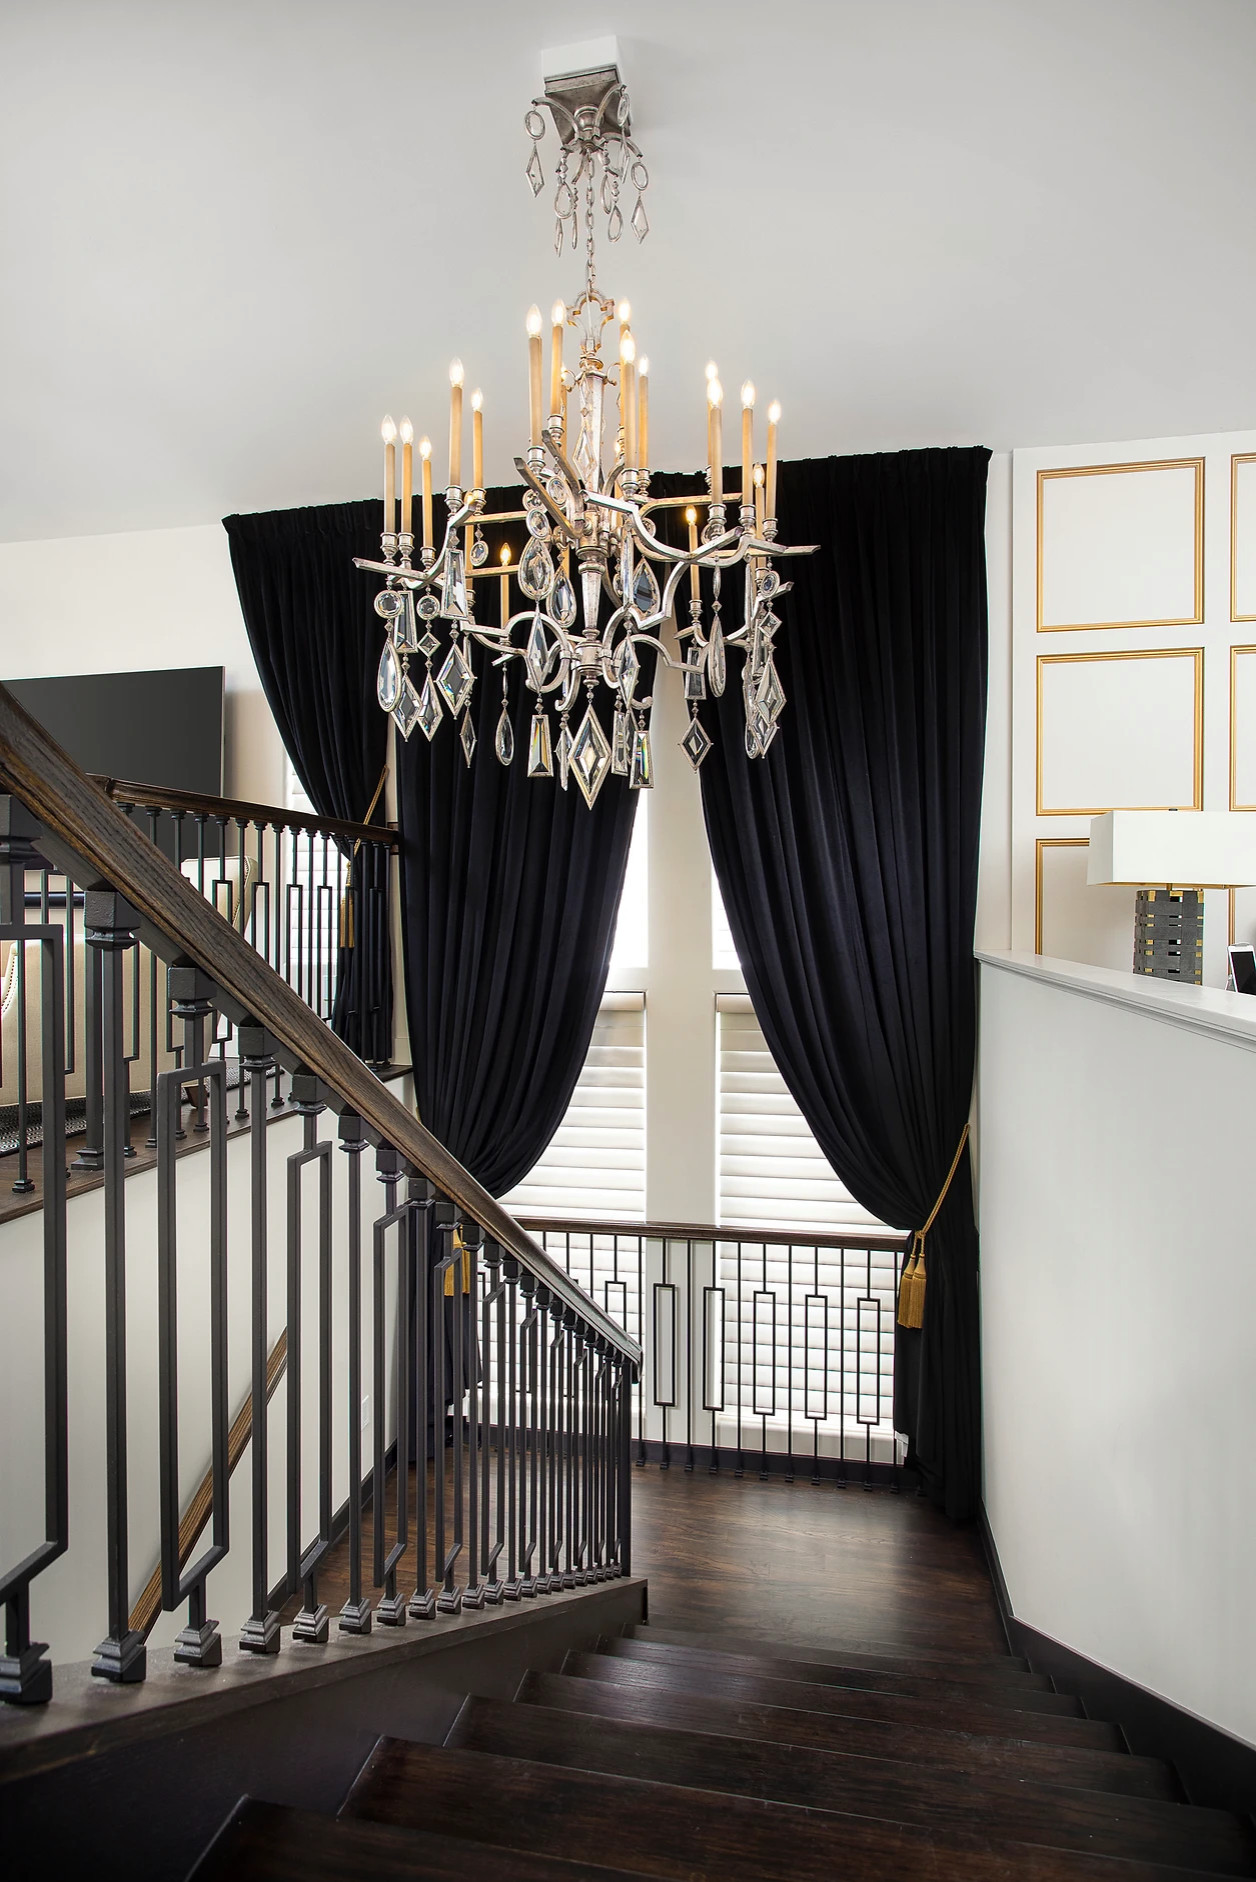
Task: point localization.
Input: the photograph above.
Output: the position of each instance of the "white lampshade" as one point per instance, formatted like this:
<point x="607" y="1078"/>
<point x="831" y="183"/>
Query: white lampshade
<point x="1185" y="849"/>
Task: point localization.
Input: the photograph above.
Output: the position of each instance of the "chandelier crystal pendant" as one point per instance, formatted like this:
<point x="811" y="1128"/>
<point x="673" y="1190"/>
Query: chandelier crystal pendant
<point x="597" y="583"/>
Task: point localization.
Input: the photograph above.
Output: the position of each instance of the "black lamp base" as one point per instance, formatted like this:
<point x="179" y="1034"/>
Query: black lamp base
<point x="1169" y="934"/>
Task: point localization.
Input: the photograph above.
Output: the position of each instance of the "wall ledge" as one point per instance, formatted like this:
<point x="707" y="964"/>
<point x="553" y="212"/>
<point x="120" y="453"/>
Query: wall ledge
<point x="1229" y="1018"/>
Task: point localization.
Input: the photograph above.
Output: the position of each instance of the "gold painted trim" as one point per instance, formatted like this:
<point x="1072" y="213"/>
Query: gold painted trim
<point x="1152" y="653"/>
<point x="1110" y="470"/>
<point x="1049" y="843"/>
<point x="1234" y="757"/>
<point x="1239" y="457"/>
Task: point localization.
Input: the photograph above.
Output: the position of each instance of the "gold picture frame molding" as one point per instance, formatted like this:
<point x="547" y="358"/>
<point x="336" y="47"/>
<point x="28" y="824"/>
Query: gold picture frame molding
<point x="1236" y="458"/>
<point x="1112" y="470"/>
<point x="1049" y="843"/>
<point x="1132" y="653"/>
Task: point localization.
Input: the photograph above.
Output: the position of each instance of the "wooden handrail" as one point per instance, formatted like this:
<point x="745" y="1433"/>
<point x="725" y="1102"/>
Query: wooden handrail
<point x="715" y="1232"/>
<point x="238" y="810"/>
<point x="175" y="921"/>
<point x="197" y="1513"/>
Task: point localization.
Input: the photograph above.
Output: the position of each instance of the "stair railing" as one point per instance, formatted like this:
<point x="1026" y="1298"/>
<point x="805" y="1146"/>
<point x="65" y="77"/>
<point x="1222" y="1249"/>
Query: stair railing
<point x="497" y="1465"/>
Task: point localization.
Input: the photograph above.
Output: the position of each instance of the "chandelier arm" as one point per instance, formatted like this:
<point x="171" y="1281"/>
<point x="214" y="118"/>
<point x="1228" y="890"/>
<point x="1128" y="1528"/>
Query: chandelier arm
<point x="559" y="516"/>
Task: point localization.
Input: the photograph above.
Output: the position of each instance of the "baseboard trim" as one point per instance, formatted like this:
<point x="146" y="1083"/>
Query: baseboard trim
<point x="1214" y="1768"/>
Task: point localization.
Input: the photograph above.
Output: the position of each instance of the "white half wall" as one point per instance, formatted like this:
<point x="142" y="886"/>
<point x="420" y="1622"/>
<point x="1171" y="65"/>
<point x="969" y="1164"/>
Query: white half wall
<point x="1118" y="1302"/>
<point x="126" y="603"/>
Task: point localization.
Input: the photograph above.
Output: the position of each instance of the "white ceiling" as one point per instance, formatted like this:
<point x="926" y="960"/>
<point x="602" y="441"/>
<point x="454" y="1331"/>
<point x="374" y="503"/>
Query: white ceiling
<point x="235" y="232"/>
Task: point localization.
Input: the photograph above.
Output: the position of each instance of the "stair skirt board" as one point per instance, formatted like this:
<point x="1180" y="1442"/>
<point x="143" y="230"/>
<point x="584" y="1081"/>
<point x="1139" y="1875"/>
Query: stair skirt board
<point x="697" y="1836"/>
<point x="1114" y="1771"/>
<point x="1012" y="1809"/>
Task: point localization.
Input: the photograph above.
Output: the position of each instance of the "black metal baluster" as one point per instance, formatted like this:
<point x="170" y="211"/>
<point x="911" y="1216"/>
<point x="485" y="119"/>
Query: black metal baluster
<point x="390" y="1610"/>
<point x="640" y="1395"/>
<point x="423" y="1600"/>
<point x="278" y="903"/>
<point x="494" y="1536"/>
<point x="623" y="1505"/>
<point x="529" y="1487"/>
<point x="91" y="1152"/>
<point x="199" y="1643"/>
<point x="841" y="1373"/>
<point x="510" y="1268"/>
<point x="689" y="1346"/>
<point x="260" y="1633"/>
<point x="472" y="1235"/>
<point x="25" y="1676"/>
<point x="355" y="1616"/>
<point x="789" y="1358"/>
<point x="110" y="930"/>
<point x="823" y="1413"/>
<point x="23" y="1184"/>
<point x="311" y="1623"/>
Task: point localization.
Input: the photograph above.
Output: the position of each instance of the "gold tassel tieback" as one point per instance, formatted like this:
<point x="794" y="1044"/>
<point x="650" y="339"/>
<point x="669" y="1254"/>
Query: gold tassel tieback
<point x="911" y="1291"/>
<point x="347" y="937"/>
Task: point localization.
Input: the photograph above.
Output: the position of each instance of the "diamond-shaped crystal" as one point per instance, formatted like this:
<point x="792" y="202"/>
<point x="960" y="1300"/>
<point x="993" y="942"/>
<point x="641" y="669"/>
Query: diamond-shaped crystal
<point x="504" y="741"/>
<point x="641" y="776"/>
<point x="453" y="600"/>
<point x="405" y="627"/>
<point x="429" y="644"/>
<point x="406" y="710"/>
<point x="455" y="679"/>
<point x="562" y="604"/>
<point x="640" y="223"/>
<point x="621" y="742"/>
<point x="388" y="679"/>
<point x="645" y="590"/>
<point x="770" y="696"/>
<point x="717" y="670"/>
<point x="563" y="754"/>
<point x="695" y="679"/>
<point x="466" y="735"/>
<point x="430" y="714"/>
<point x="590" y="756"/>
<point x="695" y="744"/>
<point x="536" y="571"/>
<point x="540" y="751"/>
<point x="537" y="655"/>
<point x="627" y="668"/>
<point x="536" y="175"/>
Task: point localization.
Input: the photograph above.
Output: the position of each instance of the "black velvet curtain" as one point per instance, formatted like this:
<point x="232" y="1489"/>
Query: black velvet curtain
<point x="848" y="864"/>
<point x="511" y="888"/>
<point x="316" y="640"/>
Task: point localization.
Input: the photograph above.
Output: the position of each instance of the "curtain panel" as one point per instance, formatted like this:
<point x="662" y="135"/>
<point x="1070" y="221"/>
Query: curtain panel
<point x="847" y="860"/>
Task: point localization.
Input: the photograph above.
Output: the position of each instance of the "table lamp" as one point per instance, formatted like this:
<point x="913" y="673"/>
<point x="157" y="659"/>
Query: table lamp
<point x="1156" y="852"/>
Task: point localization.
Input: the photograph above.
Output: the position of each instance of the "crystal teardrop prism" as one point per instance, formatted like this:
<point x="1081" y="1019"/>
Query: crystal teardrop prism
<point x="405" y="627"/>
<point x="641" y="777"/>
<point x="504" y="740"/>
<point x="537" y="655"/>
<point x="406" y="712"/>
<point x="430" y="711"/>
<point x="467" y="736"/>
<point x="564" y="754"/>
<point x="717" y="671"/>
<point x="645" y="590"/>
<point x="640" y="221"/>
<point x="627" y="668"/>
<point x="563" y="602"/>
<point x="590" y="756"/>
<point x="540" y="750"/>
<point x="621" y="742"/>
<point x="453" y="601"/>
<point x="536" y="570"/>
<point x="388" y="679"/>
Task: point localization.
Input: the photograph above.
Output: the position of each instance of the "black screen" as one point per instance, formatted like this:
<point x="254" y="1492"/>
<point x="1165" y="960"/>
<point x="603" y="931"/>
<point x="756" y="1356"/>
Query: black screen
<point x="1243" y="967"/>
<point x="162" y="727"/>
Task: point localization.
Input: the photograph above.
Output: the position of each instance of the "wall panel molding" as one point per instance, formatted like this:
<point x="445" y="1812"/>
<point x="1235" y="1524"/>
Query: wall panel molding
<point x="1141" y="733"/>
<point x="1129" y="530"/>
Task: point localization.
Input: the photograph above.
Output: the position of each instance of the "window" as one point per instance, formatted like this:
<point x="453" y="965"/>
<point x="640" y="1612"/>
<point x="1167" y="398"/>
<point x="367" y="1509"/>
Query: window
<point x="595" y="1165"/>
<point x="772" y="1172"/>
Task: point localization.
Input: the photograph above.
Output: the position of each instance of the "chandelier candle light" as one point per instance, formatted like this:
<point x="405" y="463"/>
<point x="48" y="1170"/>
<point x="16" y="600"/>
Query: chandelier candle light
<point x="587" y="505"/>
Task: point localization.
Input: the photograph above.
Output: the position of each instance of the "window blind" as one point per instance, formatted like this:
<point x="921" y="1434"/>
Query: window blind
<point x="595" y="1164"/>
<point x="772" y="1172"/>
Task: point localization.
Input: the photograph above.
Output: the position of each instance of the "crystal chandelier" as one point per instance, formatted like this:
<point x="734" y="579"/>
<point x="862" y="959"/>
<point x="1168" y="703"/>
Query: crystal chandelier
<point x="597" y="583"/>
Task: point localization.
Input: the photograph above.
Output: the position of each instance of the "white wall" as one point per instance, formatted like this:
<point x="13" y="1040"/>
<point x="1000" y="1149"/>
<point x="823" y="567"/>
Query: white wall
<point x="1118" y="1301"/>
<point x="125" y="603"/>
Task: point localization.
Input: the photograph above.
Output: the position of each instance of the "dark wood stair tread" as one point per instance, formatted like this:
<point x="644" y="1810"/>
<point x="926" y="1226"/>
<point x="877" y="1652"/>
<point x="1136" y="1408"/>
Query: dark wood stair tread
<point x="989" y="1720"/>
<point x="1038" y="1698"/>
<point x="1011" y="1668"/>
<point x="690" y="1835"/>
<point x="1008" y="1810"/>
<point x="263" y="1842"/>
<point x="1113" y="1771"/>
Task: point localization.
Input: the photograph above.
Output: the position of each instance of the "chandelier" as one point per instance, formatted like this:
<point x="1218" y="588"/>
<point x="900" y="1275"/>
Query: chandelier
<point x="596" y="582"/>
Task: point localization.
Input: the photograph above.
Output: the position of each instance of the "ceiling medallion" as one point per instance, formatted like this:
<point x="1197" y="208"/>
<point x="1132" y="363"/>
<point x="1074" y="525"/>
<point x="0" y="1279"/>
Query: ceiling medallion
<point x="596" y="583"/>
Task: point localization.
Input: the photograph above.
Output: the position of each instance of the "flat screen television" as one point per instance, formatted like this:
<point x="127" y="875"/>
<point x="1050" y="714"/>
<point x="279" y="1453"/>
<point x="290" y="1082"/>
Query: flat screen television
<point x="162" y="727"/>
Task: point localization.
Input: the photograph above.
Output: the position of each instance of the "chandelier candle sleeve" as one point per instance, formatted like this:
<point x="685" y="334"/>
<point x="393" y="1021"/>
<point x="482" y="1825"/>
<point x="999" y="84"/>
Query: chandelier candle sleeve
<point x="425" y="463"/>
<point x="747" y="443"/>
<point x="774" y="419"/>
<point x="758" y="499"/>
<point x="628" y="398"/>
<point x="534" y="374"/>
<point x="477" y="439"/>
<point x="558" y="319"/>
<point x="406" y="432"/>
<point x="695" y="577"/>
<point x="715" y="396"/>
<point x="643" y="412"/>
<point x="455" y="424"/>
<point x="505" y="584"/>
<point x="388" y="432"/>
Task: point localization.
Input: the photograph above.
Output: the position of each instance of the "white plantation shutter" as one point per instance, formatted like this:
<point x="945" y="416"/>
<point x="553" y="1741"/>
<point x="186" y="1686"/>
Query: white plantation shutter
<point x="595" y="1164"/>
<point x="772" y="1172"/>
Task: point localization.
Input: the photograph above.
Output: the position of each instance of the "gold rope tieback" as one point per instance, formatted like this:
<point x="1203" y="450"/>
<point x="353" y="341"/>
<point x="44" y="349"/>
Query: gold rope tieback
<point x="911" y="1292"/>
<point x="346" y="900"/>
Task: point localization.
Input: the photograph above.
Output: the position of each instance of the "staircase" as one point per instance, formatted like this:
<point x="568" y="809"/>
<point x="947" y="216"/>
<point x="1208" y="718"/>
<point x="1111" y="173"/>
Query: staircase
<point x="696" y="1756"/>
